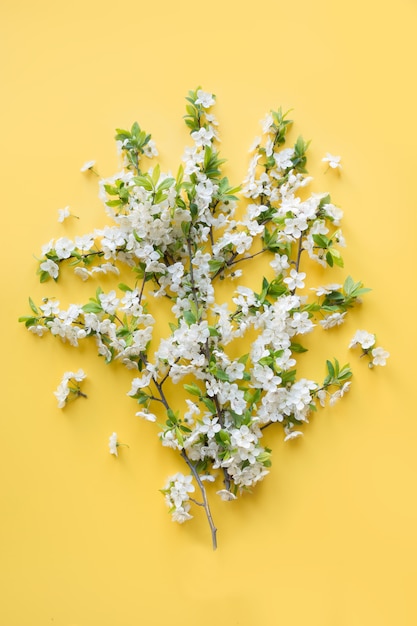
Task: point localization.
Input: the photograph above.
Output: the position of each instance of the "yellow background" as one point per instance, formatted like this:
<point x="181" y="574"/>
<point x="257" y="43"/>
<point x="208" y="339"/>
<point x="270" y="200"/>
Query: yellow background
<point x="329" y="538"/>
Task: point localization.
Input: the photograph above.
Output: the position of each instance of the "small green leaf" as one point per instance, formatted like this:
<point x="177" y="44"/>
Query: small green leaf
<point x="330" y="368"/>
<point x="193" y="389"/>
<point x="179" y="436"/>
<point x="221" y="374"/>
<point x="224" y="437"/>
<point x="166" y="184"/>
<point x="321" y="241"/>
<point x="298" y="348"/>
<point x="124" y="287"/>
<point x="185" y="227"/>
<point x="209" y="404"/>
<point x="44" y="276"/>
<point x="216" y="264"/>
<point x="33" y="307"/>
<point x="189" y="318"/>
<point x="92" y="307"/>
<point x="144" y="181"/>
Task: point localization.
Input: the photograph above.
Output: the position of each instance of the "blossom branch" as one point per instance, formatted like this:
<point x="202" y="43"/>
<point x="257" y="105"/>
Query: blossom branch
<point x="205" y="502"/>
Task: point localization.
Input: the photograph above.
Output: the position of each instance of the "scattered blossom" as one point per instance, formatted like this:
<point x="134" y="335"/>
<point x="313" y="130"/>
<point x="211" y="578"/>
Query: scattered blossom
<point x="292" y="434"/>
<point x="63" y="214"/>
<point x="226" y="495"/>
<point x="333" y="161"/>
<point x="69" y="387"/>
<point x="88" y="165"/>
<point x="379" y="356"/>
<point x="113" y="444"/>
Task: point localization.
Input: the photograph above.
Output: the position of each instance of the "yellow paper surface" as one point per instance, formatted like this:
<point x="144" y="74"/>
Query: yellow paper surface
<point x="329" y="537"/>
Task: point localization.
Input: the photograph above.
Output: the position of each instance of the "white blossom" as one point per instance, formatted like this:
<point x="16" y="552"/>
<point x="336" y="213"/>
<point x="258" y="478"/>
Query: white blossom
<point x="205" y="99"/>
<point x="333" y="161"/>
<point x="295" y="280"/>
<point x="226" y="495"/>
<point x="64" y="247"/>
<point x="363" y="338"/>
<point x="50" y="267"/>
<point x="88" y="165"/>
<point x="113" y="444"/>
<point x="335" y="319"/>
<point x="63" y="214"/>
<point x="380" y="356"/>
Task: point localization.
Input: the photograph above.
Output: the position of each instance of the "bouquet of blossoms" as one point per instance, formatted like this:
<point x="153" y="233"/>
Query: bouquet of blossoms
<point x="235" y="361"/>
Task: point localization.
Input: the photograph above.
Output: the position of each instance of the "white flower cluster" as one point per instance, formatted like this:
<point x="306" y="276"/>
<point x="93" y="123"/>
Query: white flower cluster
<point x="176" y="496"/>
<point x="367" y="341"/>
<point x="69" y="387"/>
<point x="181" y="236"/>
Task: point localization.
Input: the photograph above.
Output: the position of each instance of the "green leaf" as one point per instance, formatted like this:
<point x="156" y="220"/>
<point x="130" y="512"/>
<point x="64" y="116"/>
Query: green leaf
<point x="185" y="227"/>
<point x="321" y="241"/>
<point x="29" y="321"/>
<point x="330" y="368"/>
<point x="172" y="416"/>
<point x="112" y="191"/>
<point x="216" y="264"/>
<point x="277" y="287"/>
<point x="144" y="181"/>
<point x="92" y="307"/>
<point x="288" y="377"/>
<point x="224" y="436"/>
<point x="209" y="404"/>
<point x="193" y="389"/>
<point x="44" y="277"/>
<point x="135" y="130"/>
<point x="166" y="184"/>
<point x="221" y="374"/>
<point x="349" y="285"/>
<point x="325" y="200"/>
<point x="336" y="257"/>
<point x="33" y="307"/>
<point x="252" y="395"/>
<point x="189" y="318"/>
<point x="180" y="176"/>
<point x="179" y="436"/>
<point x="156" y="174"/>
<point x="122" y="134"/>
<point x="329" y="259"/>
<point x="298" y="348"/>
<point x="345" y="373"/>
<point x="124" y="287"/>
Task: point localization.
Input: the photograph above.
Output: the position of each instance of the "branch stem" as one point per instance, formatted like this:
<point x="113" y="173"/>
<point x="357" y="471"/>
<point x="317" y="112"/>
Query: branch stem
<point x="205" y="503"/>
